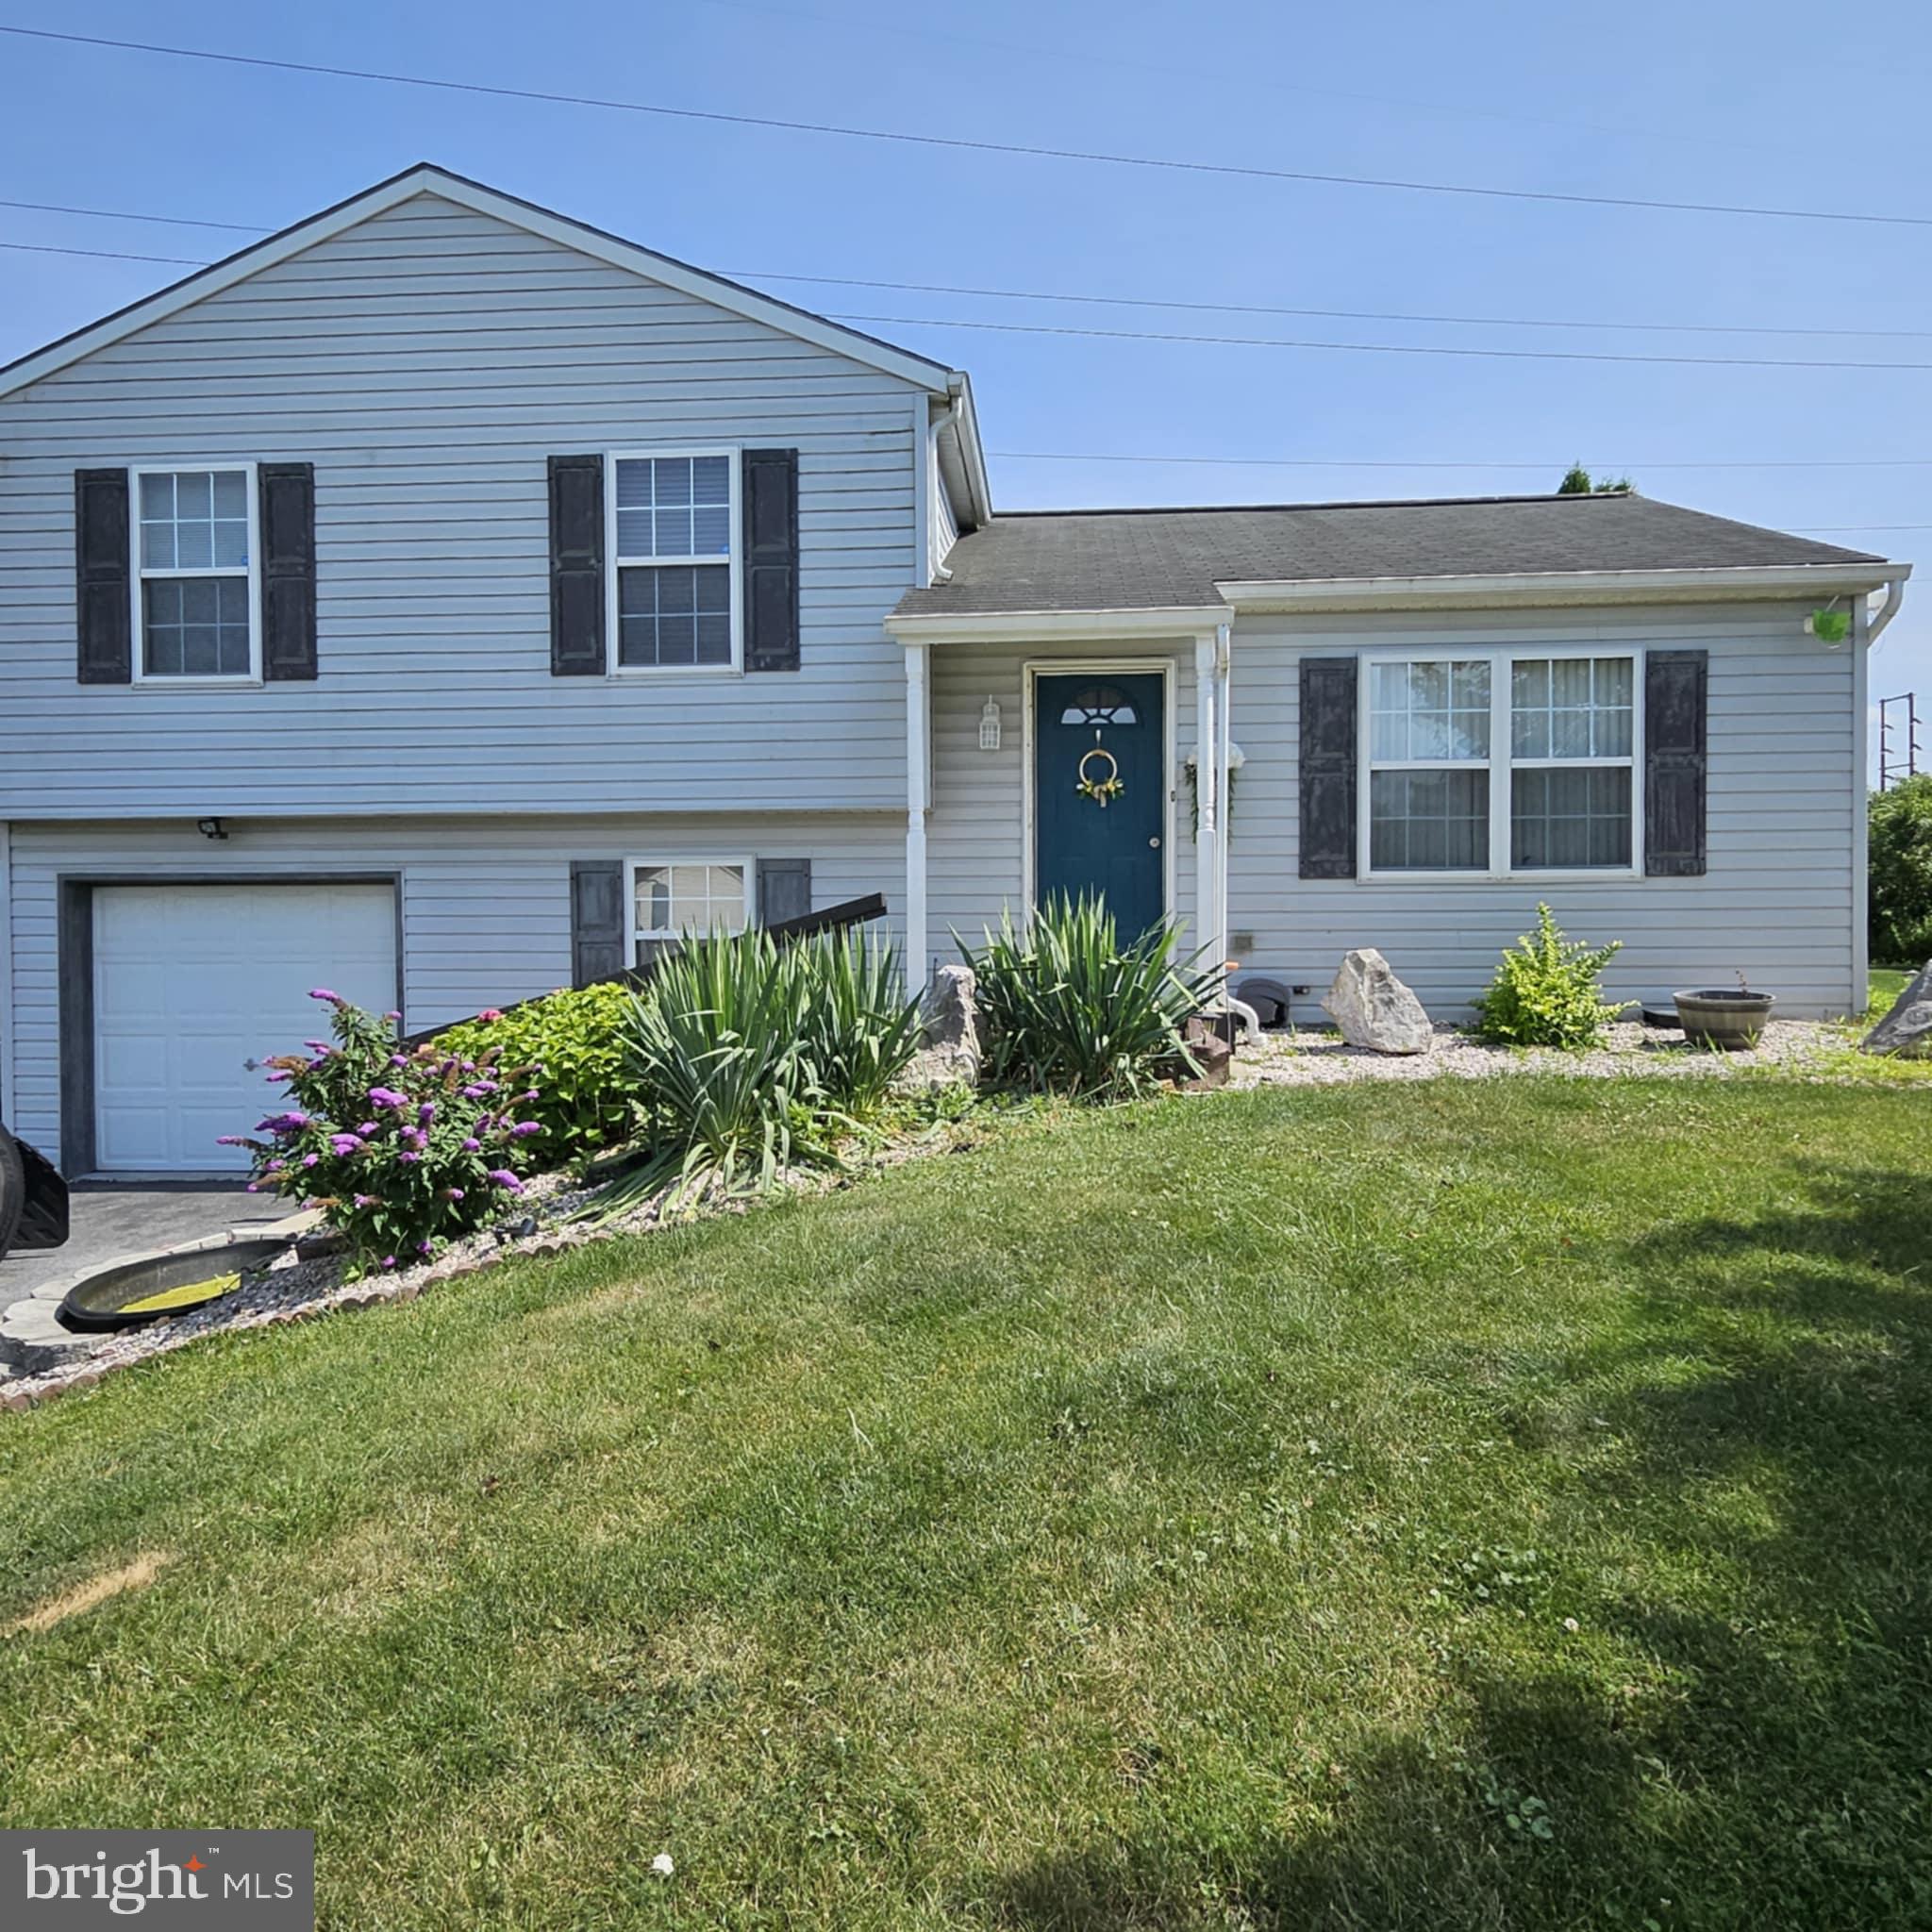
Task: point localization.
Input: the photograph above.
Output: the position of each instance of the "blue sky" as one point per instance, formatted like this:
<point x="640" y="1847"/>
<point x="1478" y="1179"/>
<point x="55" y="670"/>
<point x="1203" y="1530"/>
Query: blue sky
<point x="1758" y="102"/>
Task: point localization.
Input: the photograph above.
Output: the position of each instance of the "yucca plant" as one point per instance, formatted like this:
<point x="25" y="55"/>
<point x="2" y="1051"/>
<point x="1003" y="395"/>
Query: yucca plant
<point x="857" y="1029"/>
<point x="1066" y="1007"/>
<point x="713" y="1050"/>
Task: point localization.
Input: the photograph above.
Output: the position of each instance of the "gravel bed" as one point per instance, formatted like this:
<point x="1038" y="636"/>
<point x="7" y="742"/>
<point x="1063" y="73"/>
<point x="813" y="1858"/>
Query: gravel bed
<point x="1797" y="1047"/>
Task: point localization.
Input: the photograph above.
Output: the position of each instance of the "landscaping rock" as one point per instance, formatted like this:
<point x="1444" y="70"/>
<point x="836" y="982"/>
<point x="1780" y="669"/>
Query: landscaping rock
<point x="1210" y="1052"/>
<point x="1373" y="1010"/>
<point x="1906" y="1032"/>
<point x="951" y="1054"/>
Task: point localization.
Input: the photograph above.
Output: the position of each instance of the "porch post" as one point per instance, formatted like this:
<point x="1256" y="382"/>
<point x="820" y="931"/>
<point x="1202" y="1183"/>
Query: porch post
<point x="1206" y="794"/>
<point x="918" y="798"/>
<point x="1223" y="743"/>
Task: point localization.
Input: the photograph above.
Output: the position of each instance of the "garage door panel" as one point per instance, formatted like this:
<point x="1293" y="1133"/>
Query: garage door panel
<point x="192" y="981"/>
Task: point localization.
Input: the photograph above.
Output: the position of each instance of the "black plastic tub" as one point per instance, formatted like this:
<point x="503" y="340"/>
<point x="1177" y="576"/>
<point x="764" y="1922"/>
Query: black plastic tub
<point x="100" y="1302"/>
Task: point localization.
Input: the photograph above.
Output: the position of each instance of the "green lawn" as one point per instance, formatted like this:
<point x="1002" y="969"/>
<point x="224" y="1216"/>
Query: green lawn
<point x="1887" y="982"/>
<point x="1455" y="1506"/>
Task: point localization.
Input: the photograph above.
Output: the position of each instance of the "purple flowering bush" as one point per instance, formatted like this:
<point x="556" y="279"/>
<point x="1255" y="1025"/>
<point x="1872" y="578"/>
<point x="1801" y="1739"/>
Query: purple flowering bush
<point x="400" y="1149"/>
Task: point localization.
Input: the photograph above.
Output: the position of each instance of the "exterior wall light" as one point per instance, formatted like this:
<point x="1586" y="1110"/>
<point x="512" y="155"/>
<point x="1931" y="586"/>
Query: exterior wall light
<point x="989" y="726"/>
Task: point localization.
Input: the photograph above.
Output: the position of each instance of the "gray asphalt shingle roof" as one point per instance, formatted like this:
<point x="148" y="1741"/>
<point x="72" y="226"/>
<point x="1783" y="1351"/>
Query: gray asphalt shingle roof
<point x="1144" y="560"/>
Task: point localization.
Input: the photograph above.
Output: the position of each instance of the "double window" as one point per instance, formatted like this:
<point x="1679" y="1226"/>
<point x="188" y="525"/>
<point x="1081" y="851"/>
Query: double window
<point x="672" y="897"/>
<point x="1497" y="762"/>
<point x="194" y="587"/>
<point x="673" y="522"/>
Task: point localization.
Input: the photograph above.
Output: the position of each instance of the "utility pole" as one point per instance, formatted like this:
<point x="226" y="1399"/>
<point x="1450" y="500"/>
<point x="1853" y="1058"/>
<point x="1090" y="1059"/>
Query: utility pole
<point x="1898" y="740"/>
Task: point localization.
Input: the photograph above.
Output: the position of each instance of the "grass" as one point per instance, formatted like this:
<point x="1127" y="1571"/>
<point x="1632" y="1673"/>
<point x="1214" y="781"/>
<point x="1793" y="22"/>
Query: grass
<point x="1453" y="1506"/>
<point x="1887" y="982"/>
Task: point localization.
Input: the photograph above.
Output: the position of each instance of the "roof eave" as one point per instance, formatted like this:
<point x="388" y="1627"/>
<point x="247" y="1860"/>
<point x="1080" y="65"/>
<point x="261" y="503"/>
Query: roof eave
<point x="1063" y="626"/>
<point x="1530" y="589"/>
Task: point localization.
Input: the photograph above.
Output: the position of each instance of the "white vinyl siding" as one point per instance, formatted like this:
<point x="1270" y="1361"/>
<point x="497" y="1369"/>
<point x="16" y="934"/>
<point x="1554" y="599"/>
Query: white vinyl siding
<point x="1779" y="901"/>
<point x="428" y="362"/>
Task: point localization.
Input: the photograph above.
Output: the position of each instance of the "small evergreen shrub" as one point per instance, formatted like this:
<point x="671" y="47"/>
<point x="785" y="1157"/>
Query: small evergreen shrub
<point x="570" y="1043"/>
<point x="1547" y="991"/>
<point x="1899" y="879"/>
<point x="402" y="1150"/>
<point x="1065" y="1007"/>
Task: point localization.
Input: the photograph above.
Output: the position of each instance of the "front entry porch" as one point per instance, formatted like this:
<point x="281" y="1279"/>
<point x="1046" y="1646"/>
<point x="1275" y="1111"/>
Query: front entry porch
<point x="1059" y="755"/>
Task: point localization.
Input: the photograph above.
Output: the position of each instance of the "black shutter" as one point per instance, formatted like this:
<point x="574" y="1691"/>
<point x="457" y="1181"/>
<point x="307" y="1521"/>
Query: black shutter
<point x="598" y="929"/>
<point x="1329" y="755"/>
<point x="288" y="569"/>
<point x="771" y="559"/>
<point x="576" y="566"/>
<point x="101" y="565"/>
<point x="784" y="890"/>
<point x="1675" y="708"/>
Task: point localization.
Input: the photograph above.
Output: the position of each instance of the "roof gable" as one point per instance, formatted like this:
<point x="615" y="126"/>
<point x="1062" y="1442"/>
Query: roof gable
<point x="424" y="179"/>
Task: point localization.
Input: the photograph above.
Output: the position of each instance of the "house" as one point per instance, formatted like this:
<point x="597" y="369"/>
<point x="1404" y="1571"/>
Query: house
<point x="443" y="599"/>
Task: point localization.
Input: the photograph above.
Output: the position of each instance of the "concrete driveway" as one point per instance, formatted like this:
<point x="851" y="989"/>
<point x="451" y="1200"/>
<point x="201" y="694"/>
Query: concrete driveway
<point x="109" y="1219"/>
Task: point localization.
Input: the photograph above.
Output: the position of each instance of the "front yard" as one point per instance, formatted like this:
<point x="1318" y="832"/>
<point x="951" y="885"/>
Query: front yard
<point x="1457" y="1504"/>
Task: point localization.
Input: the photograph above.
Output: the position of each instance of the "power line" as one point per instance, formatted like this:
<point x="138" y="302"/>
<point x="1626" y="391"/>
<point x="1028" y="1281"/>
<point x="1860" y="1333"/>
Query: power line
<point x="1136" y="335"/>
<point x="1131" y="335"/>
<point x="905" y="138"/>
<point x="1057" y="456"/>
<point x="115" y="214"/>
<point x="1059" y="294"/>
<point x="1088" y="57"/>
<point x="1706" y="328"/>
<point x="106" y="254"/>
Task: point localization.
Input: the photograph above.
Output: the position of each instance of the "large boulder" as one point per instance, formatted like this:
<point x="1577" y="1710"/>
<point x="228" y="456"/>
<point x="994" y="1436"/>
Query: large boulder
<point x="1906" y="1032"/>
<point x="1373" y="1010"/>
<point x="951" y="1053"/>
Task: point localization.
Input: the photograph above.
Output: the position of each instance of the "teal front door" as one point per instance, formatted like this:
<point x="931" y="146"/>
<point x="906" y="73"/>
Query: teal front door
<point x="1099" y="792"/>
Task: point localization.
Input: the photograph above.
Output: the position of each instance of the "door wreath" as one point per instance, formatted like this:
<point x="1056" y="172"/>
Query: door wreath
<point x="1101" y="788"/>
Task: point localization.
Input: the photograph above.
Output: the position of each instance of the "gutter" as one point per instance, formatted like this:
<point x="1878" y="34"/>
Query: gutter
<point x="1503" y="588"/>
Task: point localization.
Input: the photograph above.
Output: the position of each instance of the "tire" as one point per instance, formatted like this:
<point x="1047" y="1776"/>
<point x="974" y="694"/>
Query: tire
<point x="12" y="1191"/>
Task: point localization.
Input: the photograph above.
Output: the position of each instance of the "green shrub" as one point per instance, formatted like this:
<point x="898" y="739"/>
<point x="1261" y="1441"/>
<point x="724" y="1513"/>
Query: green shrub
<point x="745" y="1057"/>
<point x="572" y="1044"/>
<point x="400" y="1150"/>
<point x="857" y="1029"/>
<point x="1065" y="1007"/>
<point x="1901" y="872"/>
<point x="1546" y="991"/>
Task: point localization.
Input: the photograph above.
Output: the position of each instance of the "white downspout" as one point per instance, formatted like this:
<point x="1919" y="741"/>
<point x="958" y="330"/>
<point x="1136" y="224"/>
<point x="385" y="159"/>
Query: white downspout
<point x="918" y="798"/>
<point x="1875" y="622"/>
<point x="1224" y="738"/>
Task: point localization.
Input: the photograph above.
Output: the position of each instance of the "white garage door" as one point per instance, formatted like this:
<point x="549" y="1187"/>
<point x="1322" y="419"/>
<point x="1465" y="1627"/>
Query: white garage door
<point x="192" y="981"/>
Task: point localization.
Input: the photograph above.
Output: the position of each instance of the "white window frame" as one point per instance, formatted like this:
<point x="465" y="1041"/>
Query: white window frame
<point x="1500" y="764"/>
<point x="734" y="457"/>
<point x="139" y="576"/>
<point x="652" y="863"/>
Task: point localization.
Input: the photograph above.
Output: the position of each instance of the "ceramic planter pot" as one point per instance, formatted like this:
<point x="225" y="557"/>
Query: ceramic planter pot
<point x="1728" y="1020"/>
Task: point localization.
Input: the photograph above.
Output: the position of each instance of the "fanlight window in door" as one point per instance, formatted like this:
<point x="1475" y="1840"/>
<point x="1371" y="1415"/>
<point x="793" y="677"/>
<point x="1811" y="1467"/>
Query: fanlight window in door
<point x="1097" y="705"/>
